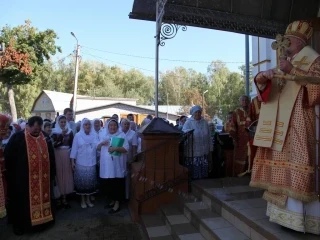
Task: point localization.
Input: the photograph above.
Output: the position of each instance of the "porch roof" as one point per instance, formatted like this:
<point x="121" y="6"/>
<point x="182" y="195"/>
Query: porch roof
<point x="264" y="18"/>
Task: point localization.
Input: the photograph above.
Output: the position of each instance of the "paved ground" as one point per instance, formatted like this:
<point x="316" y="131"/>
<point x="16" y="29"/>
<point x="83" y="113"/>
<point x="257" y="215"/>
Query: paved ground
<point x="79" y="224"/>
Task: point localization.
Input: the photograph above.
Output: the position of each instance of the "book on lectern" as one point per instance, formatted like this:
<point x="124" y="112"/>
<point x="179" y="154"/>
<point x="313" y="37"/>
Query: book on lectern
<point x="116" y="142"/>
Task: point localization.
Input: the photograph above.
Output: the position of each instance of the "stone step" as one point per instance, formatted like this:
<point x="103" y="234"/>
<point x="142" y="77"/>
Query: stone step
<point x="236" y="206"/>
<point x="154" y="227"/>
<point x="178" y="224"/>
<point x="210" y="224"/>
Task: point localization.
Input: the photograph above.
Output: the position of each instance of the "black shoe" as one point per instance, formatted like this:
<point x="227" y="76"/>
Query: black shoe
<point x="112" y="211"/>
<point x="18" y="231"/>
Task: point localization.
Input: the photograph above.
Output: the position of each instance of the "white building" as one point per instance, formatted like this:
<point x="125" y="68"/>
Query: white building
<point x="49" y="103"/>
<point x="263" y="58"/>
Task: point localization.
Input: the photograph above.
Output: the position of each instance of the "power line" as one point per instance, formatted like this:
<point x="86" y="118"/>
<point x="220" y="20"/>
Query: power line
<point x="162" y="59"/>
<point x="61" y="60"/>
<point x="118" y="62"/>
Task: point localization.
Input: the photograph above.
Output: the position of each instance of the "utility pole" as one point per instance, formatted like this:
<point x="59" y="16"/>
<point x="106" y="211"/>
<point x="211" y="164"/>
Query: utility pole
<point x="74" y="105"/>
<point x="247" y="75"/>
<point x="167" y="105"/>
<point x="203" y="101"/>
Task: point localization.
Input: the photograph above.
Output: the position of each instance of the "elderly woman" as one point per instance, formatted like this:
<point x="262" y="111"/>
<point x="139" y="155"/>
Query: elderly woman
<point x="113" y="168"/>
<point x="97" y="129"/>
<point x="132" y="139"/>
<point x="133" y="126"/>
<point x="84" y="160"/>
<point x="202" y="143"/>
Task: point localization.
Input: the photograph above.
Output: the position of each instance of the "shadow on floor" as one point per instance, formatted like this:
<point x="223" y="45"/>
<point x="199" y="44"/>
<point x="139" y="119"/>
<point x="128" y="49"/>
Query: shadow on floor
<point x="79" y="224"/>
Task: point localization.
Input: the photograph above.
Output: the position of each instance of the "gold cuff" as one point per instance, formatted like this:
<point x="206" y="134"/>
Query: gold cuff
<point x="293" y="71"/>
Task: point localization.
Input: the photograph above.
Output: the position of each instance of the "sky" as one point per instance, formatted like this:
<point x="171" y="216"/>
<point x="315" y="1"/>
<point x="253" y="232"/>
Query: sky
<point x="105" y="25"/>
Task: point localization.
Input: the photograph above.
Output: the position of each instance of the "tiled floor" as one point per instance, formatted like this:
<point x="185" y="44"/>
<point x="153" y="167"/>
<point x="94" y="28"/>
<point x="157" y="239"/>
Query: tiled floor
<point x="79" y="224"/>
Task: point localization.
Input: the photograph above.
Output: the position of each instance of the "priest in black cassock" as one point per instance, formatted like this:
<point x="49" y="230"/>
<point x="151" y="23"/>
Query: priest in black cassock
<point x="30" y="165"/>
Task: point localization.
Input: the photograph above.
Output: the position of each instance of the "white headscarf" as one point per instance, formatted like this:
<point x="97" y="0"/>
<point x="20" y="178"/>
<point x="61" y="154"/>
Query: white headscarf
<point x="96" y="119"/>
<point x="108" y="134"/>
<point x="124" y="120"/>
<point x="87" y="138"/>
<point x="23" y="125"/>
<point x="13" y="131"/>
<point x="57" y="129"/>
<point x="145" y="122"/>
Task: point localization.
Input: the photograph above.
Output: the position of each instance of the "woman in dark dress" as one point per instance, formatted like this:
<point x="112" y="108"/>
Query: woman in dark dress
<point x="63" y="138"/>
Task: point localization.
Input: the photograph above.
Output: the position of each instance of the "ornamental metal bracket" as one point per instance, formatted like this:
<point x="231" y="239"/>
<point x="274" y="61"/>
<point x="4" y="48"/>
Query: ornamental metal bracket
<point x="169" y="31"/>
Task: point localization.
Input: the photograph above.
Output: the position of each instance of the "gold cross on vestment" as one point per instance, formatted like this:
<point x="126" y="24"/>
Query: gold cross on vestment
<point x="302" y="62"/>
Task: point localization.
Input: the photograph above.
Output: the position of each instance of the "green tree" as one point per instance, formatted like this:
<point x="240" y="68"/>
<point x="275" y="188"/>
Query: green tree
<point x="38" y="45"/>
<point x="233" y="89"/>
<point x="242" y="69"/>
<point x="218" y="77"/>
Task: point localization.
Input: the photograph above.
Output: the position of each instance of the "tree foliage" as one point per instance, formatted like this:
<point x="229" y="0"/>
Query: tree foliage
<point x="30" y="52"/>
<point x="14" y="65"/>
<point x="37" y="45"/>
<point x="184" y="87"/>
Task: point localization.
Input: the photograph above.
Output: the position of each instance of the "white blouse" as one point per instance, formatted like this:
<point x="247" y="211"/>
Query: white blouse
<point x="99" y="135"/>
<point x="113" y="166"/>
<point x="132" y="139"/>
<point x="84" y="153"/>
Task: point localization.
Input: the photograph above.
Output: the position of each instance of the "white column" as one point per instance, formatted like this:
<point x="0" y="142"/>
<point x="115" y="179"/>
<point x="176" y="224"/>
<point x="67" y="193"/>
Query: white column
<point x="262" y="53"/>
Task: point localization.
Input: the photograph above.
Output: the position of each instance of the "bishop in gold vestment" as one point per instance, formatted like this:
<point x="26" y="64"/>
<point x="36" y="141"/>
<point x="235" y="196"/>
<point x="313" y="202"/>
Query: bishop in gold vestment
<point x="284" y="164"/>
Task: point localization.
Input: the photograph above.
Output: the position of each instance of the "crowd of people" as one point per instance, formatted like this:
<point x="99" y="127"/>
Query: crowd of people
<point x="45" y="162"/>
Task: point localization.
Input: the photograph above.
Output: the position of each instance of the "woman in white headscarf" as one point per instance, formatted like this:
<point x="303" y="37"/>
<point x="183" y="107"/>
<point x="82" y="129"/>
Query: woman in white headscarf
<point x="202" y="146"/>
<point x="113" y="168"/>
<point x="133" y="126"/>
<point x="132" y="139"/>
<point x="62" y="138"/>
<point x="97" y="129"/>
<point x="84" y="160"/>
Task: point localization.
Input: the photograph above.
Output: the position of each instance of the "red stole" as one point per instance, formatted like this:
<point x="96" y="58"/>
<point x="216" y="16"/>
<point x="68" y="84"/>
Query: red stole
<point x="39" y="179"/>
